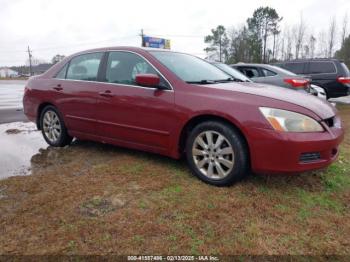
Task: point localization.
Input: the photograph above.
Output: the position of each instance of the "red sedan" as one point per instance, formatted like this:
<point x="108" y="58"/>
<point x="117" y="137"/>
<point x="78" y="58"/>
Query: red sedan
<point x="176" y="104"/>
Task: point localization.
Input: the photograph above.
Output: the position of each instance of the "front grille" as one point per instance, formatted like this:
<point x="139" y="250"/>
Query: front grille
<point x="309" y="157"/>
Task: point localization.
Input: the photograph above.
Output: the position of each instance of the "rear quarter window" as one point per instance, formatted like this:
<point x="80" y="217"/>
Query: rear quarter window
<point x="267" y="72"/>
<point x="345" y="69"/>
<point x="322" y="68"/>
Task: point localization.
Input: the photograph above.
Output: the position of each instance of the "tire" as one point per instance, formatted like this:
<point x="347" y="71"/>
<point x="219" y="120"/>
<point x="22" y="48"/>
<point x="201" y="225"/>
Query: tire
<point x="216" y="164"/>
<point x="53" y="128"/>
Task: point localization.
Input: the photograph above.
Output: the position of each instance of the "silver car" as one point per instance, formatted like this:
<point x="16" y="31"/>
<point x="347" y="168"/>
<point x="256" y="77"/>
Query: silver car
<point x="273" y="75"/>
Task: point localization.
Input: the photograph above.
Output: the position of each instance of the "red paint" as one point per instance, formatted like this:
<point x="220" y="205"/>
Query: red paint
<point x="153" y="119"/>
<point x="149" y="80"/>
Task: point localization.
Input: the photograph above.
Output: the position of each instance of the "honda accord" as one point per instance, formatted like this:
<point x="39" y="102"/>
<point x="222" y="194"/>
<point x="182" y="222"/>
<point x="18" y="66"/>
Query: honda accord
<point x="176" y="104"/>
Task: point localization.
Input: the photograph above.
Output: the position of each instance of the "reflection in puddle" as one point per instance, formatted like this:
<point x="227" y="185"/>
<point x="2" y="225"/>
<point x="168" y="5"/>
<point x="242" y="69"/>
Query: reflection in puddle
<point x="18" y="143"/>
<point x="23" y="151"/>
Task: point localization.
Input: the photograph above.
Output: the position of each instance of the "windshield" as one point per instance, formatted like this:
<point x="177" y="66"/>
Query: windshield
<point x="232" y="72"/>
<point x="190" y="68"/>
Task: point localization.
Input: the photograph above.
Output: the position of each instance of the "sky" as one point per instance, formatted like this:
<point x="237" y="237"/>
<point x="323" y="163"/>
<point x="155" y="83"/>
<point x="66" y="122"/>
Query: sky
<point x="51" y="27"/>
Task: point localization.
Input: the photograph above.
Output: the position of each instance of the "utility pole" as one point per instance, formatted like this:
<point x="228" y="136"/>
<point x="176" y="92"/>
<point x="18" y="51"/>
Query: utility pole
<point x="142" y="40"/>
<point x="30" y="61"/>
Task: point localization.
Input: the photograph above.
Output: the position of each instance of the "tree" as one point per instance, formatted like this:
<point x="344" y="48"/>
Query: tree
<point x="299" y="33"/>
<point x="262" y="24"/>
<point x="218" y="42"/>
<point x="275" y="32"/>
<point x="312" y="46"/>
<point x="344" y="52"/>
<point x="344" y="28"/>
<point x="331" y="37"/>
<point x="322" y="44"/>
<point x="57" y="58"/>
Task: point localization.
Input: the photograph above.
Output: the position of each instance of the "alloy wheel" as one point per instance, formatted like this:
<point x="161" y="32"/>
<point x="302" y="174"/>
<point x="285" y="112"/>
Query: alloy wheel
<point x="213" y="154"/>
<point x="52" y="126"/>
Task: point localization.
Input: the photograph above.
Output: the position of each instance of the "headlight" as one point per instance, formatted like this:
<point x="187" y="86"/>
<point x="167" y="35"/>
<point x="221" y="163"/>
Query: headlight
<point x="287" y="121"/>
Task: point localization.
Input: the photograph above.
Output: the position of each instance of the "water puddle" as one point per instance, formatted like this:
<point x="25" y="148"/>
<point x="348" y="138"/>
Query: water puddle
<point x="19" y="142"/>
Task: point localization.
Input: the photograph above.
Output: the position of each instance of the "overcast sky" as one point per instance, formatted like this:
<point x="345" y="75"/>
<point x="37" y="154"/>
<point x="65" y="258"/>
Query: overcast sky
<point x="50" y="27"/>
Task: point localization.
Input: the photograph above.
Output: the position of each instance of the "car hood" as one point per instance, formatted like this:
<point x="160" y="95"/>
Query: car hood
<point x="319" y="106"/>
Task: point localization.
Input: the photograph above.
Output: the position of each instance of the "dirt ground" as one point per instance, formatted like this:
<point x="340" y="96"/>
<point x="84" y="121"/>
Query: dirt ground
<point x="90" y="198"/>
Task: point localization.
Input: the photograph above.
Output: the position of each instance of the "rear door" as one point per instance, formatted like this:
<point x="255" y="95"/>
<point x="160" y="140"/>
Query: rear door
<point x="129" y="114"/>
<point x="75" y="92"/>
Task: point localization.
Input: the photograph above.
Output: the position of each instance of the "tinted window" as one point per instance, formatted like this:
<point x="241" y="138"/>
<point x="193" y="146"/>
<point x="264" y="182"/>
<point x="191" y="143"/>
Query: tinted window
<point x="84" y="67"/>
<point x="249" y="71"/>
<point x="297" y="68"/>
<point x="267" y="72"/>
<point x="189" y="68"/>
<point x="62" y="74"/>
<point x="232" y="72"/>
<point x="345" y="68"/>
<point x="122" y="67"/>
<point x="321" y="68"/>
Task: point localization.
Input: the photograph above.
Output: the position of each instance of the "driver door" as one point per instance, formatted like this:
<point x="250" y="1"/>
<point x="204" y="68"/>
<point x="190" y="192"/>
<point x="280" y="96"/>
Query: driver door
<point x="129" y="114"/>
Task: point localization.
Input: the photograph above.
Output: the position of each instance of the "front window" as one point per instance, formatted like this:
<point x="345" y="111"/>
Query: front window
<point x="122" y="68"/>
<point x="190" y="68"/>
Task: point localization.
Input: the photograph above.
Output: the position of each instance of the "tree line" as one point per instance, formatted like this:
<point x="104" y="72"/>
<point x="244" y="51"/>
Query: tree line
<point x="261" y="39"/>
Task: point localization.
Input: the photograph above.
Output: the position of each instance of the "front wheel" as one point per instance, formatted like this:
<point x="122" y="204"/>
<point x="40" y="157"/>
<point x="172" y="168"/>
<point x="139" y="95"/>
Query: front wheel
<point x="53" y="127"/>
<point x="217" y="153"/>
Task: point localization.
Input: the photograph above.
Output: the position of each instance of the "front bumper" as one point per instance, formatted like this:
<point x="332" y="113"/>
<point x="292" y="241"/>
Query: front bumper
<point x="280" y="152"/>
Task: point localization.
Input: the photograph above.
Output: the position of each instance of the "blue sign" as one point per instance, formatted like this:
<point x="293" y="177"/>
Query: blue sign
<point x="155" y="42"/>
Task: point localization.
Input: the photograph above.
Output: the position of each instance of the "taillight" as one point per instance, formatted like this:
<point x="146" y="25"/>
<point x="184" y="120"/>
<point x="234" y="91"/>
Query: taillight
<point x="343" y="80"/>
<point x="300" y="83"/>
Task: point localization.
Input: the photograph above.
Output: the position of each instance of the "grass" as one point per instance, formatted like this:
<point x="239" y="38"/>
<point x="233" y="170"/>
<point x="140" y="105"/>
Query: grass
<point x="97" y="199"/>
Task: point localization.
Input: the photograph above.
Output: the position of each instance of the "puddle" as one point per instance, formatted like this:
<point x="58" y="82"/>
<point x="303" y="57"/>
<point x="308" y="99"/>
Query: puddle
<point x="18" y="143"/>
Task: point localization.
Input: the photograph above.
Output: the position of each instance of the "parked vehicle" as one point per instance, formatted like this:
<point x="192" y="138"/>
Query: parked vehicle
<point x="238" y="76"/>
<point x="176" y="104"/>
<point x="318" y="91"/>
<point x="330" y="74"/>
<point x="268" y="74"/>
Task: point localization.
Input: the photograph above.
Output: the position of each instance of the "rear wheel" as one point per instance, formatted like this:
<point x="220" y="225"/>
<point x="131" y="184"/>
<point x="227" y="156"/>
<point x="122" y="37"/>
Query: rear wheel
<point x="53" y="127"/>
<point x="217" y="154"/>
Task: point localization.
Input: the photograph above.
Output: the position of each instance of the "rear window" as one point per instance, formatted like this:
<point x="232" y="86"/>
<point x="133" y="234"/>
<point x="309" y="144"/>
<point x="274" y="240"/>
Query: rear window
<point x="321" y="68"/>
<point x="345" y="68"/>
<point x="84" y="67"/>
<point x="297" y="68"/>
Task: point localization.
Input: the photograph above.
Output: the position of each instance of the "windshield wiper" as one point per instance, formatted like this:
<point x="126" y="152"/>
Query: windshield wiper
<point x="201" y="82"/>
<point x="230" y="79"/>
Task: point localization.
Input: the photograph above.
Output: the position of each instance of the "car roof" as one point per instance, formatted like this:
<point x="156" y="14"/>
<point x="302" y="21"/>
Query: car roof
<point x="311" y="60"/>
<point x="126" y="48"/>
<point x="273" y="68"/>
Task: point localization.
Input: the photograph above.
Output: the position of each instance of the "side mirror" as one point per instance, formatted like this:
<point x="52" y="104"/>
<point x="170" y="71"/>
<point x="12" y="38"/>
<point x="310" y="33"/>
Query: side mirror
<point x="147" y="80"/>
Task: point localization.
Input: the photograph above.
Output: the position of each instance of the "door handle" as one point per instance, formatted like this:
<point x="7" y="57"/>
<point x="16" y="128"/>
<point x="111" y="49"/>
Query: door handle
<point x="106" y="93"/>
<point x="58" y="87"/>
